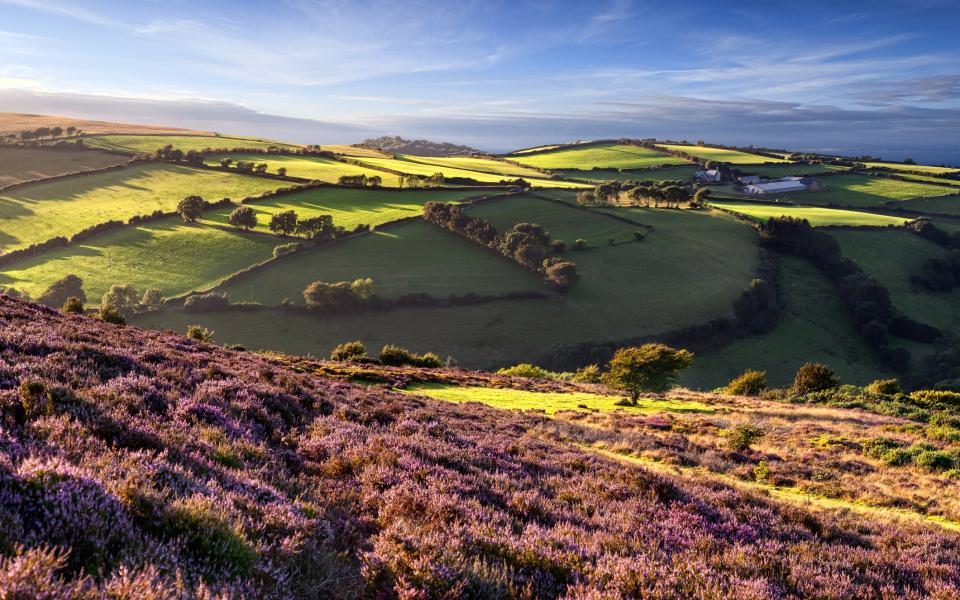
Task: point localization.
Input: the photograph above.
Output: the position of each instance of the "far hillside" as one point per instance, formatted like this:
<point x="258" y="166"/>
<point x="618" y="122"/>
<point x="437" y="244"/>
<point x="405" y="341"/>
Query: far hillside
<point x="18" y="122"/>
<point x="398" y="145"/>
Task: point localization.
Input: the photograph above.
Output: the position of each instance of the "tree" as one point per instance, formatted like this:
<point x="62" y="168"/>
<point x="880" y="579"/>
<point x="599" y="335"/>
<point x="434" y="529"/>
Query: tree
<point x="700" y="197"/>
<point x="194" y="157"/>
<point x="73" y="305"/>
<point x="349" y="351"/>
<point x="243" y="217"/>
<point x="284" y="223"/>
<point x="282" y="171"/>
<point x="26" y="135"/>
<point x="260" y="168"/>
<point x="152" y="300"/>
<point x="362" y="289"/>
<point x="62" y="289"/>
<point x="176" y="154"/>
<point x="526" y="243"/>
<point x="814" y="377"/>
<point x="124" y="298"/>
<point x="647" y="368"/>
<point x="330" y="296"/>
<point x="56" y="132"/>
<point x="190" y="208"/>
<point x="374" y="181"/>
<point x="42" y="132"/>
<point x="226" y="162"/>
<point x="71" y="130"/>
<point x="318" y="228"/>
<point x="750" y="383"/>
<point x="562" y="274"/>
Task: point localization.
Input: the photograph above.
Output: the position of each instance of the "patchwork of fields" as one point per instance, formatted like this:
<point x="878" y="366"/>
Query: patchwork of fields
<point x="42" y="211"/>
<point x="484" y="165"/>
<point x="26" y="164"/>
<point x="148" y="144"/>
<point x="788" y="170"/>
<point x="815" y="215"/>
<point x="418" y="167"/>
<point x="605" y="156"/>
<point x="314" y="168"/>
<point x="931" y="170"/>
<point x="734" y="157"/>
<point x="862" y="191"/>
<point x="681" y="173"/>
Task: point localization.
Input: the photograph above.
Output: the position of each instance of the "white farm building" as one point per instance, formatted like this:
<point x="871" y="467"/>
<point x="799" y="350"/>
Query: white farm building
<point x="787" y="184"/>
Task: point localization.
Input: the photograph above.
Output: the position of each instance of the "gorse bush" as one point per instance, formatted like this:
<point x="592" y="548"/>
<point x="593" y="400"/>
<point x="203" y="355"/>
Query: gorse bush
<point x="742" y="436"/>
<point x="884" y="386"/>
<point x="349" y="351"/>
<point x="397" y="356"/>
<point x="587" y="374"/>
<point x="199" y="333"/>
<point x="814" y="377"/>
<point x="73" y="305"/>
<point x="937" y="398"/>
<point x="750" y="383"/>
<point x="109" y="314"/>
<point x="529" y="371"/>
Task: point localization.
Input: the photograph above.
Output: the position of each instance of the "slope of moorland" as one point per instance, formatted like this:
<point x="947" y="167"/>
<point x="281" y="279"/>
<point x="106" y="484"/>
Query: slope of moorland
<point x="144" y="464"/>
<point x="17" y="122"/>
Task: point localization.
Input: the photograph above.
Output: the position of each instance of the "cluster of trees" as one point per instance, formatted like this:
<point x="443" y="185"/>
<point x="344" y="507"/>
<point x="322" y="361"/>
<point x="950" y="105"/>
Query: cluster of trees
<point x="361" y="180"/>
<point x="419" y="181"/>
<point x="670" y="194"/>
<point x="342" y="296"/>
<point x="319" y="228"/>
<point x="168" y="152"/>
<point x="67" y="293"/>
<point x="44" y="132"/>
<point x="391" y="355"/>
<point x="526" y="243"/>
<point x="868" y="301"/>
<point x="940" y="273"/>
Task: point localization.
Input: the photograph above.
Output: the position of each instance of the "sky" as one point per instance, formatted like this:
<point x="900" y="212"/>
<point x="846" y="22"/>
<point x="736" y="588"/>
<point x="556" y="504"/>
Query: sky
<point x="879" y="77"/>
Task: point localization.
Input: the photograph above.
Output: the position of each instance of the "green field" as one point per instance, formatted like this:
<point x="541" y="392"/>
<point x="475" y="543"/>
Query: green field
<point x="816" y="216"/>
<point x="25" y="164"/>
<point x="681" y="173"/>
<point x="930" y="179"/>
<point x="777" y="171"/>
<point x="308" y="167"/>
<point x="913" y="168"/>
<point x="553" y="402"/>
<point x="354" y="151"/>
<point x="168" y="254"/>
<point x="140" y="144"/>
<point x="408" y="258"/>
<point x="42" y="211"/>
<point x="813" y="327"/>
<point x="534" y="149"/>
<point x="734" y="157"/>
<point x="349" y="207"/>
<point x="861" y="191"/>
<point x="690" y="269"/>
<point x="891" y="257"/>
<point x="484" y="165"/>
<point x="607" y="156"/>
<point x="945" y="206"/>
<point x="414" y="167"/>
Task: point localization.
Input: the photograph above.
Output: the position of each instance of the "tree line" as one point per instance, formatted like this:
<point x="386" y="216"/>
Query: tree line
<point x="668" y="194"/>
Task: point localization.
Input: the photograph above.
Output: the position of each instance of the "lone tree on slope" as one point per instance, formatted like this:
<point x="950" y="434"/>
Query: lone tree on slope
<point x="190" y="208"/>
<point x="647" y="368"/>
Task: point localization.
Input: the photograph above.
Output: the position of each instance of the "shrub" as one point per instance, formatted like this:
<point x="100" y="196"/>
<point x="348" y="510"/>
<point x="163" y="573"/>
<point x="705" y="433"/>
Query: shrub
<point x="558" y="246"/>
<point x="936" y="398"/>
<point x="647" y="368"/>
<point x="73" y="305"/>
<point x="243" y="217"/>
<point x="331" y="296"/>
<point x="897" y="457"/>
<point x="428" y="360"/>
<point x="740" y="437"/>
<point x="58" y="292"/>
<point x="527" y="370"/>
<point x="152" y="300"/>
<point x="750" y="383"/>
<point x="124" y="298"/>
<point x="561" y="274"/>
<point x="210" y="302"/>
<point x="199" y="333"/>
<point x="639" y="235"/>
<point x="580" y="244"/>
<point x="396" y="356"/>
<point x="762" y="471"/>
<point x="587" y="374"/>
<point x="190" y="208"/>
<point x="349" y="351"/>
<point x="814" y="377"/>
<point x="110" y="314"/>
<point x="285" y="249"/>
<point x="878" y="447"/>
<point x="884" y="386"/>
<point x="935" y="460"/>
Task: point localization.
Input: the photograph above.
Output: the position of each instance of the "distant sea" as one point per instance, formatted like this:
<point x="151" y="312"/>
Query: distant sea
<point x="926" y="156"/>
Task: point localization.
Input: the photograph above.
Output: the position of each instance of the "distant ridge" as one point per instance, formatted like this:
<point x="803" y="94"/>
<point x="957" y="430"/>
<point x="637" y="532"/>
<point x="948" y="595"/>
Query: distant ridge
<point x="398" y="145"/>
<point x="11" y="122"/>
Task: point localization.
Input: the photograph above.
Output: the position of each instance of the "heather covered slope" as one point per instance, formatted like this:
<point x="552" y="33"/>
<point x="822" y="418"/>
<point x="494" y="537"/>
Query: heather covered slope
<point x="143" y="464"/>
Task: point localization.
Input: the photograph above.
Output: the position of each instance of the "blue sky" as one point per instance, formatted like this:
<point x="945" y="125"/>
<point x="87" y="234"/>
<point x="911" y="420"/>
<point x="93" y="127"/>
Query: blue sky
<point x="881" y="76"/>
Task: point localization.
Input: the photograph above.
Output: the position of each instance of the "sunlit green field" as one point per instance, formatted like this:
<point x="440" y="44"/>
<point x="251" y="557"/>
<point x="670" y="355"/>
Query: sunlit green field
<point x="734" y="157"/>
<point x="139" y="144"/>
<point x="484" y="165"/>
<point x="308" y="167"/>
<point x="681" y="173"/>
<point x="349" y="207"/>
<point x="42" y="211"/>
<point x="407" y="165"/>
<point x="348" y="150"/>
<point x="776" y="171"/>
<point x="405" y="259"/>
<point x="930" y="179"/>
<point x="535" y="149"/>
<point x="25" y="164"/>
<point x="914" y="168"/>
<point x="815" y="215"/>
<point x="170" y="255"/>
<point x="607" y="156"/>
<point x="863" y="191"/>
<point x="553" y="402"/>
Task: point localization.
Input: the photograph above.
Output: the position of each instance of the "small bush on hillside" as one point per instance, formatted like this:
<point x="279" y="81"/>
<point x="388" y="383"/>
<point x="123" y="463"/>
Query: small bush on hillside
<point x="73" y="305"/>
<point x="884" y="386"/>
<point x="762" y="471"/>
<point x="152" y="300"/>
<point x="429" y="361"/>
<point x="639" y="235"/>
<point x="587" y="374"/>
<point x="285" y="249"/>
<point x="529" y="371"/>
<point x="558" y="246"/>
<point x="124" y="298"/>
<point x="814" y="377"/>
<point x="936" y="398"/>
<point x="878" y="447"/>
<point x="211" y="302"/>
<point x="935" y="460"/>
<point x="750" y="383"/>
<point x="742" y="436"/>
<point x="396" y="356"/>
<point x="109" y="314"/>
<point x="349" y="351"/>
<point x="201" y="334"/>
<point x="579" y="244"/>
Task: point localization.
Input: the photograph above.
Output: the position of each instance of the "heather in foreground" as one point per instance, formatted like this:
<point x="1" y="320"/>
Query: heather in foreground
<point x="144" y="464"/>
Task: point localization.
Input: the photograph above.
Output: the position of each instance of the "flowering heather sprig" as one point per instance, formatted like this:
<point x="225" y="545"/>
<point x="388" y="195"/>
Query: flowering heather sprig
<point x="141" y="464"/>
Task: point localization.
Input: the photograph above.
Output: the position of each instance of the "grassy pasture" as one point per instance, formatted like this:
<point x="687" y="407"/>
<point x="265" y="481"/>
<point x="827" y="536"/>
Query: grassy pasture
<point x="309" y="167"/>
<point x="814" y="327"/>
<point x="861" y="191"/>
<point x="608" y="156"/>
<point x="946" y="206"/>
<point x="414" y="167"/>
<point x="562" y="222"/>
<point x="168" y="254"/>
<point x="348" y="150"/>
<point x="535" y="149"/>
<point x="787" y="170"/>
<point x="25" y="164"/>
<point x="39" y="212"/>
<point x="408" y="258"/>
<point x="484" y="165"/>
<point x="891" y="257"/>
<point x="690" y="269"/>
<point x="930" y="170"/>
<point x="681" y="173"/>
<point x="553" y="402"/>
<point x="930" y="179"/>
<point x="349" y="207"/>
<point x="140" y="144"/>
<point x="734" y="157"/>
<point x="816" y="215"/>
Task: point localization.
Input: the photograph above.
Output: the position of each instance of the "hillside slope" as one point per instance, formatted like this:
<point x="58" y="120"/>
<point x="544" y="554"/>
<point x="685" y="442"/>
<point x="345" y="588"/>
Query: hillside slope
<point x="143" y="464"/>
<point x="17" y="122"/>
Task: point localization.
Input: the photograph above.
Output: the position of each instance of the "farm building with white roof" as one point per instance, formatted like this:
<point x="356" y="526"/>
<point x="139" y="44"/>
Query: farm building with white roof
<point x="787" y="184"/>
